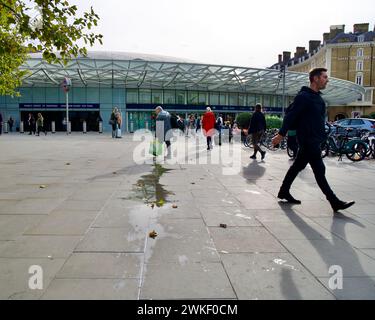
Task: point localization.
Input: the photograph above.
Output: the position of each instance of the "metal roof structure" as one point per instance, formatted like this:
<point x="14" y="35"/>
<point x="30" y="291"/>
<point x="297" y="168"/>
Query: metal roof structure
<point x="124" y="70"/>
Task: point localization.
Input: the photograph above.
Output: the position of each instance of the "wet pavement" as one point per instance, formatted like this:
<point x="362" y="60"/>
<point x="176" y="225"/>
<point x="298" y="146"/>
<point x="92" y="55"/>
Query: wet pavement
<point x="101" y="226"/>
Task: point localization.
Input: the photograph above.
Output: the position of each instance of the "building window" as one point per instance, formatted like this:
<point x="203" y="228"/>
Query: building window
<point x="214" y="98"/>
<point x="180" y="97"/>
<point x="202" y="98"/>
<point x="360" y="52"/>
<point x="144" y="96"/>
<point x="132" y="96"/>
<point x="242" y="100"/>
<point x="157" y="96"/>
<point x="169" y="97"/>
<point x="223" y="99"/>
<point x="192" y="97"/>
<point x="233" y="99"/>
<point x="361" y="38"/>
<point x="251" y="99"/>
<point x="360" y="65"/>
<point x="359" y="79"/>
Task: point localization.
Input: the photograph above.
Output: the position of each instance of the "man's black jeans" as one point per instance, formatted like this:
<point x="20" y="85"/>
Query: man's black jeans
<point x="309" y="154"/>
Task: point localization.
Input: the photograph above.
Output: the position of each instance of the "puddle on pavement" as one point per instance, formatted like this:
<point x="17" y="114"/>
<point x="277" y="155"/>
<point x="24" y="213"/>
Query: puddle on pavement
<point x="149" y="189"/>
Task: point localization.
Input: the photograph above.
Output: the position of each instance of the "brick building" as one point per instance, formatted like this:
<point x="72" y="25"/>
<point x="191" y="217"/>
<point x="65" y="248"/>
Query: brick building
<point x="347" y="55"/>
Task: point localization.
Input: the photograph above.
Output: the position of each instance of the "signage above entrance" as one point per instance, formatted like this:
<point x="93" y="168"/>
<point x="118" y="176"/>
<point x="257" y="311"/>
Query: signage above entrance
<point x="59" y="105"/>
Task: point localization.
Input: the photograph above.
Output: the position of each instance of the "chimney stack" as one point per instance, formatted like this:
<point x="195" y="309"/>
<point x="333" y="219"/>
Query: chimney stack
<point x="280" y="58"/>
<point x="361" y="27"/>
<point x="286" y="56"/>
<point x="300" y="52"/>
<point x="313" y="45"/>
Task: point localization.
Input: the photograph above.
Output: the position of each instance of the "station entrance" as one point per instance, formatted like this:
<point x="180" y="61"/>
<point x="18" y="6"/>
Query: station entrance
<point x="76" y="118"/>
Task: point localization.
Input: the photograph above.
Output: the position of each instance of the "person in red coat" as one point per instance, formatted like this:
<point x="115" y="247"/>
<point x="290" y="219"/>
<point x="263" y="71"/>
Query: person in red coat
<point x="208" y="125"/>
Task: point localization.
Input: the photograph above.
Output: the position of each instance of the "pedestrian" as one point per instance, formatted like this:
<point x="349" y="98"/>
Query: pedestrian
<point x="1" y="123"/>
<point x="10" y="123"/>
<point x="307" y="117"/>
<point x="31" y="123"/>
<point x="164" y="128"/>
<point x="198" y="123"/>
<point x="40" y="124"/>
<point x="219" y="125"/>
<point x="208" y="125"/>
<point x="113" y="122"/>
<point x="118" y="118"/>
<point x="257" y="128"/>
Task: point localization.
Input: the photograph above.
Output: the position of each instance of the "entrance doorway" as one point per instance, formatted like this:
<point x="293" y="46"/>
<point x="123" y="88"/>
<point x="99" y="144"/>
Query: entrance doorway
<point x="76" y="118"/>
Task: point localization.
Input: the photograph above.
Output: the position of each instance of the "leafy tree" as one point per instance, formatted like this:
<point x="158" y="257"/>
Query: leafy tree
<point x="51" y="27"/>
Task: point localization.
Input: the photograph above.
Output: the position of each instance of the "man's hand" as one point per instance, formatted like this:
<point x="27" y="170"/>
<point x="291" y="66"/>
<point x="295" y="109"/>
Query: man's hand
<point x="277" y="139"/>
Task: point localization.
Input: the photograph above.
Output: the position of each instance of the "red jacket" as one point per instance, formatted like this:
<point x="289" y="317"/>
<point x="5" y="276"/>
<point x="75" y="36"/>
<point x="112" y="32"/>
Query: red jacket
<point x="208" y="124"/>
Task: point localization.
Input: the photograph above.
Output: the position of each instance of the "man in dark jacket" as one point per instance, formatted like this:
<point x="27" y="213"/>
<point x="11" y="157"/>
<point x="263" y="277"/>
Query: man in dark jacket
<point x="307" y="117"/>
<point x="257" y="128"/>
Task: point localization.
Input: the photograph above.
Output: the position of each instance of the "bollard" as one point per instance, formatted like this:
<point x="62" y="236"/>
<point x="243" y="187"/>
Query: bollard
<point x="53" y="127"/>
<point x="131" y="126"/>
<point x="22" y="129"/>
<point x="100" y="126"/>
<point x="146" y="125"/>
<point x="84" y="125"/>
<point x="69" y="127"/>
<point x="5" y="127"/>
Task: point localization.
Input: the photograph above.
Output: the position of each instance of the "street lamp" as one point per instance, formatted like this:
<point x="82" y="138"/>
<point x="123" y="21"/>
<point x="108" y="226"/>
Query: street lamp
<point x="282" y="74"/>
<point x="66" y="84"/>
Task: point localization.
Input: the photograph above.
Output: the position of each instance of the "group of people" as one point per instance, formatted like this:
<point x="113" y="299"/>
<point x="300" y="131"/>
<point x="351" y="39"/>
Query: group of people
<point x="208" y="122"/>
<point x="35" y="126"/>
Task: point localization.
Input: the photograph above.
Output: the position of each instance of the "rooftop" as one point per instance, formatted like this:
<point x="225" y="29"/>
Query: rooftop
<point x="131" y="70"/>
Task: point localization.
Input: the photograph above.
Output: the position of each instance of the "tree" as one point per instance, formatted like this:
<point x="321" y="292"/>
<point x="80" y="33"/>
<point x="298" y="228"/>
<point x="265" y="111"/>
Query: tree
<point x="51" y="27"/>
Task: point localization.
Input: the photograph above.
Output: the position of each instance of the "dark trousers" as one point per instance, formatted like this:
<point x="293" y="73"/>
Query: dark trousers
<point x="310" y="154"/>
<point x="209" y="141"/>
<point x="255" y="137"/>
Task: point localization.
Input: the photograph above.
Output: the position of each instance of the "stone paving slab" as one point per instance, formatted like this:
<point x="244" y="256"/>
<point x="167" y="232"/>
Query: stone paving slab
<point x="15" y="276"/>
<point x="112" y="240"/>
<point x="92" y="289"/>
<point x="39" y="247"/>
<point x="173" y="281"/>
<point x="101" y="266"/>
<point x="272" y="276"/>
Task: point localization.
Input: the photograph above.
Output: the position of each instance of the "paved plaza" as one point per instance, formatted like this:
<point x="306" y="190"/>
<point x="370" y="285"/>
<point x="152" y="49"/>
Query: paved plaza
<point x="80" y="208"/>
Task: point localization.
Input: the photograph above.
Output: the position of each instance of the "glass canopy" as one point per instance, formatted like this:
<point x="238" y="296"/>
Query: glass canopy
<point x="111" y="69"/>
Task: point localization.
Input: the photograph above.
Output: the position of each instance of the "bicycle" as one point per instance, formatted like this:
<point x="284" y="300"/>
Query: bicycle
<point x="354" y="149"/>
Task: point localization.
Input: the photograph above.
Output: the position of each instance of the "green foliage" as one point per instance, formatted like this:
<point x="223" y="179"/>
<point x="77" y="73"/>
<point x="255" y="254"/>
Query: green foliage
<point x="372" y="115"/>
<point x="46" y="26"/>
<point x="243" y="120"/>
<point x="273" y="122"/>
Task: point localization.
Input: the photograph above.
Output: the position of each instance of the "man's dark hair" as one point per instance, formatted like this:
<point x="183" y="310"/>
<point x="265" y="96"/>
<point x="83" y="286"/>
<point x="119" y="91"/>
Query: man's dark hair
<point x="316" y="72"/>
<point x="258" y="107"/>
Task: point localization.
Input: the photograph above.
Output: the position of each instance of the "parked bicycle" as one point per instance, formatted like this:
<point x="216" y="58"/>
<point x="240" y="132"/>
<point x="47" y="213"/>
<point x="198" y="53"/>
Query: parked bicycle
<point x="355" y="149"/>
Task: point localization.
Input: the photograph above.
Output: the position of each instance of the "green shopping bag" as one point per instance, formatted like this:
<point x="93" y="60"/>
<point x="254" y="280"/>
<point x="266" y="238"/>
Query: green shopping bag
<point x="156" y="148"/>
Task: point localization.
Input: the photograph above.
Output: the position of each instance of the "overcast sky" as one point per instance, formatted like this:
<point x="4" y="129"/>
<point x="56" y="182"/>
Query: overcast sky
<point x="230" y="32"/>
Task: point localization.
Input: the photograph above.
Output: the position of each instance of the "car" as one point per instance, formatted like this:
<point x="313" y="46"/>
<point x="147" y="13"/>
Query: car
<point x="358" y="124"/>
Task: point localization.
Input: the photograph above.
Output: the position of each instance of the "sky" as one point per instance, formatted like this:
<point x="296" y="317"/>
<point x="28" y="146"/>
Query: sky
<point x="232" y="32"/>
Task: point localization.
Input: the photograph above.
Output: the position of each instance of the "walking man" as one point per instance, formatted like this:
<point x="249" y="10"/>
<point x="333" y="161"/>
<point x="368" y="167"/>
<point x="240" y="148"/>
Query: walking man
<point x="307" y="117"/>
<point x="257" y="128"/>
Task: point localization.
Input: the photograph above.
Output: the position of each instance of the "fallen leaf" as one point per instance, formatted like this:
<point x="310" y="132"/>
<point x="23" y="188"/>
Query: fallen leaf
<point x="175" y="206"/>
<point x="153" y="234"/>
<point x="42" y="187"/>
<point x="224" y="226"/>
